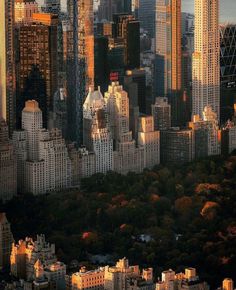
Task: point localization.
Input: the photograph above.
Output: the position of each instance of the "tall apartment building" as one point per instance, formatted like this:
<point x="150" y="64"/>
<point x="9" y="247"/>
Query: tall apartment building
<point x="206" y="134"/>
<point x="97" y="136"/>
<point x="6" y="240"/>
<point x="177" y="146"/>
<point x="206" y="58"/>
<point x="37" y="63"/>
<point x="7" y="64"/>
<point x="42" y="156"/>
<point x="127" y="28"/>
<point x="28" y="256"/>
<point x="161" y="112"/>
<point x="149" y="139"/>
<point x="8" y="167"/>
<point x="81" y="68"/>
<point x="54" y="152"/>
<point x="24" y="10"/>
<point x="227" y="70"/>
<point x="127" y="157"/>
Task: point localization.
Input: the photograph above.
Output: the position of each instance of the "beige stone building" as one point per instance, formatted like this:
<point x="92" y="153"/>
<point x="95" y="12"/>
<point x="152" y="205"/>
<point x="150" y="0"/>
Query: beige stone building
<point x="181" y="281"/>
<point x="149" y="140"/>
<point x="84" y="280"/>
<point x="127" y="157"/>
<point x="42" y="155"/>
<point x="125" y="277"/>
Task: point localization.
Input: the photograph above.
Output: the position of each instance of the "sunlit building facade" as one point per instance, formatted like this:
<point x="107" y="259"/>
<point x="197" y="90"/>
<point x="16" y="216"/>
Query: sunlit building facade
<point x="7" y="63"/>
<point x="149" y="139"/>
<point x="24" y="10"/>
<point x="97" y="135"/>
<point x="85" y="279"/>
<point x="168" y="47"/>
<point x="25" y="256"/>
<point x="127" y="157"/>
<point x="206" y="58"/>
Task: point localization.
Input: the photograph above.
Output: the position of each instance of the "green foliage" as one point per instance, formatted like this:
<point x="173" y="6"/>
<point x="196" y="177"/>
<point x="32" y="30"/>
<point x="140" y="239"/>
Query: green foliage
<point x="189" y="212"/>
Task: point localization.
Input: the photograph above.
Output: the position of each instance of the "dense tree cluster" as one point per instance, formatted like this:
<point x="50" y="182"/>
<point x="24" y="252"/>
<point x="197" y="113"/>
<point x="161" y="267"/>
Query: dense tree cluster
<point x="164" y="218"/>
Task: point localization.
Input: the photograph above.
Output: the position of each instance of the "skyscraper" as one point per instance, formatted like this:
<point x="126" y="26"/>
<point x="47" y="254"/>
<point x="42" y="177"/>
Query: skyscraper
<point x="81" y="71"/>
<point x="7" y="67"/>
<point x="168" y="63"/>
<point x="37" y="70"/>
<point x="227" y="70"/>
<point x="168" y="47"/>
<point x="146" y="16"/>
<point x="127" y="28"/>
<point x="206" y="58"/>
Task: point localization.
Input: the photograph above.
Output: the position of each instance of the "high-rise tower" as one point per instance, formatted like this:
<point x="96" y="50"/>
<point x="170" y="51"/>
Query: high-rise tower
<point x="168" y="47"/>
<point x="81" y="73"/>
<point x="7" y="67"/>
<point x="168" y="63"/>
<point x="36" y="66"/>
<point x="206" y="57"/>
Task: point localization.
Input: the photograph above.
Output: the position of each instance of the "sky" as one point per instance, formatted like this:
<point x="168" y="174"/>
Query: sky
<point x="227" y="9"/>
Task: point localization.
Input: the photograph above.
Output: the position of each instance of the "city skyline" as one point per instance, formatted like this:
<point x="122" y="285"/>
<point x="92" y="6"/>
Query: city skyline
<point x="117" y="145"/>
